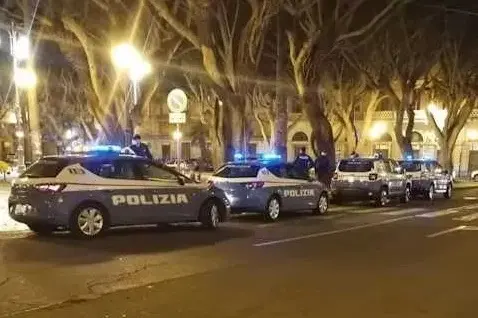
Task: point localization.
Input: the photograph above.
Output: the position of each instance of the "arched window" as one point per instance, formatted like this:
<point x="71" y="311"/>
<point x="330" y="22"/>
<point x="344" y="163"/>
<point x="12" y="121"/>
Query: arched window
<point x="300" y="137"/>
<point x="417" y="137"/>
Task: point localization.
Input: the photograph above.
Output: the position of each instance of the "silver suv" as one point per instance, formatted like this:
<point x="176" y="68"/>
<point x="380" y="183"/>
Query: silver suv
<point x="428" y="178"/>
<point x="375" y="179"/>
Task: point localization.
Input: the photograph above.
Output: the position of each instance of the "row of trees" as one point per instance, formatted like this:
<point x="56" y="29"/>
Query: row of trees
<point x="245" y="61"/>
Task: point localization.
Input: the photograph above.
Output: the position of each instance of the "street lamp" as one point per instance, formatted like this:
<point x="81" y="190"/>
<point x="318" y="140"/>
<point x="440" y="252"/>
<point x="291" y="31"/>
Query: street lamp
<point x="23" y="78"/>
<point x="377" y="130"/>
<point x="127" y="58"/>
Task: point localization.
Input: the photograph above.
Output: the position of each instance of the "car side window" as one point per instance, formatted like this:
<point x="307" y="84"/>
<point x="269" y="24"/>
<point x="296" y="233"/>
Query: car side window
<point x="152" y="172"/>
<point x="380" y="166"/>
<point x="387" y="166"/>
<point x="278" y="170"/>
<point x="124" y="169"/>
<point x="296" y="173"/>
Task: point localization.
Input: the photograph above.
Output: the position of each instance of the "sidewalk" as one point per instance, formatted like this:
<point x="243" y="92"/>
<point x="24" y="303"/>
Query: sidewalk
<point x="465" y="184"/>
<point x="6" y="222"/>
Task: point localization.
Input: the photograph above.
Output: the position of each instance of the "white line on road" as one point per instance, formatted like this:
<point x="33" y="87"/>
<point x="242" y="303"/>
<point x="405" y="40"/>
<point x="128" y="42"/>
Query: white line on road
<point x="467" y="218"/>
<point x="470" y="198"/>
<point x="454" y="229"/>
<point x="438" y="213"/>
<point x="349" y="229"/>
<point x="371" y="210"/>
<point x="403" y="212"/>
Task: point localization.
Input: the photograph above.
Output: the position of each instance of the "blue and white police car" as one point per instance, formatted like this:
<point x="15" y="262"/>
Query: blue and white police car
<point x="269" y="186"/>
<point x="89" y="192"/>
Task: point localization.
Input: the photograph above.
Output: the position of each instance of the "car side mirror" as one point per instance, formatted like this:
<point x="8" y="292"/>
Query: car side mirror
<point x="181" y="181"/>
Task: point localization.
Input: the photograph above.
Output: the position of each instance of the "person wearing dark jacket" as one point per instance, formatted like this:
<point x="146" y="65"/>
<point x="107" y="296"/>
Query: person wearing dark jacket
<point x="139" y="148"/>
<point x="303" y="161"/>
<point x="322" y="164"/>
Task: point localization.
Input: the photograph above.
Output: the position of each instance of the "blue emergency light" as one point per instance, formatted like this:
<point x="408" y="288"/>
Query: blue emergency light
<point x="238" y="156"/>
<point x="271" y="156"/>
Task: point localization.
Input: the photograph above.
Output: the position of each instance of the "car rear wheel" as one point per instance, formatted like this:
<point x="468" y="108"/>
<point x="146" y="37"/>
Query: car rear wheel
<point x="475" y="178"/>
<point x="272" y="209"/>
<point x="322" y="205"/>
<point x="209" y="215"/>
<point x="407" y="195"/>
<point x="430" y="195"/>
<point x="382" y="198"/>
<point x="89" y="221"/>
<point x="449" y="190"/>
<point x="41" y="229"/>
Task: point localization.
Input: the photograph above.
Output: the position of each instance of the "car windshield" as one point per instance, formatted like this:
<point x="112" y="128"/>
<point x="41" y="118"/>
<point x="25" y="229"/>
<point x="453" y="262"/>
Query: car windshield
<point x="238" y="171"/>
<point x="355" y="166"/>
<point x="411" y="166"/>
<point x="45" y="168"/>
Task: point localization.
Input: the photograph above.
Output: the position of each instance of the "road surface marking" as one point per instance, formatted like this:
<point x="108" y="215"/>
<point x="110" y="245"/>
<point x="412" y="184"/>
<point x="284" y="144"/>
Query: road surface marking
<point x="470" y="198"/>
<point x="403" y="212"/>
<point x="467" y="218"/>
<point x="349" y="229"/>
<point x="454" y="229"/>
<point x="470" y="228"/>
<point x="371" y="210"/>
<point x="438" y="213"/>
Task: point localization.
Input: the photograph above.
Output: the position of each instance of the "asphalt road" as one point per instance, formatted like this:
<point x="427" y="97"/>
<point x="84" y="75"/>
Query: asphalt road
<point x="417" y="260"/>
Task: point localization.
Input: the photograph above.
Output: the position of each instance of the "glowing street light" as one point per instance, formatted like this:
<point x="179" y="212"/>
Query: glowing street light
<point x="127" y="58"/>
<point x="377" y="130"/>
<point x="472" y="134"/>
<point x="24" y="78"/>
<point x="20" y="134"/>
<point x="177" y="135"/>
<point x="70" y="134"/>
<point x="21" y="48"/>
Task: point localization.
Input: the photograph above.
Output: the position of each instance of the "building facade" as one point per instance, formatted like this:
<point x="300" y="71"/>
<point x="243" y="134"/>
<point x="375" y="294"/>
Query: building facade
<point x="424" y="142"/>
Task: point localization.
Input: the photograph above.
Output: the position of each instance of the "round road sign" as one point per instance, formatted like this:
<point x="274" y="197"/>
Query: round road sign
<point x="177" y="101"/>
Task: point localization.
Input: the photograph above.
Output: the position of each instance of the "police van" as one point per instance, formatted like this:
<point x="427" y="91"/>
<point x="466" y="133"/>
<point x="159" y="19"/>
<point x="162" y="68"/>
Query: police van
<point x="89" y="192"/>
<point x="269" y="186"/>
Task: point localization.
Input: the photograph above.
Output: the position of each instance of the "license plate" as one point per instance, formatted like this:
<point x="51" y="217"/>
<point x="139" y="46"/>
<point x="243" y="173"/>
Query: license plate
<point x="20" y="209"/>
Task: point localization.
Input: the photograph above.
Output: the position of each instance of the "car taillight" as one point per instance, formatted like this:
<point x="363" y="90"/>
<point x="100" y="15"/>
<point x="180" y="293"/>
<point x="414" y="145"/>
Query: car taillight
<point x="57" y="187"/>
<point x="373" y="176"/>
<point x="254" y="185"/>
<point x="336" y="176"/>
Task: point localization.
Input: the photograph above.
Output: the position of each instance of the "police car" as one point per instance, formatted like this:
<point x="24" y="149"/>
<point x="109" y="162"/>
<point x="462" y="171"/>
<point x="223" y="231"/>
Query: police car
<point x="89" y="192"/>
<point x="269" y="186"/>
<point x="374" y="178"/>
<point x="428" y="178"/>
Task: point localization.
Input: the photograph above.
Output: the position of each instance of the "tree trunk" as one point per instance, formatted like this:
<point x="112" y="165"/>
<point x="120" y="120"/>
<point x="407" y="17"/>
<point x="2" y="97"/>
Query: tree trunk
<point x="235" y="130"/>
<point x="323" y="134"/>
<point x="279" y="128"/>
<point x="405" y="141"/>
<point x="446" y="154"/>
<point x="351" y="144"/>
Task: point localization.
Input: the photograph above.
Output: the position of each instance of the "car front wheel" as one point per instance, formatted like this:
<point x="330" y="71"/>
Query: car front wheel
<point x="430" y="195"/>
<point x="88" y="221"/>
<point x="407" y="195"/>
<point x="322" y="205"/>
<point x="272" y="209"/>
<point x="210" y="215"/>
<point x="382" y="198"/>
<point x="449" y="190"/>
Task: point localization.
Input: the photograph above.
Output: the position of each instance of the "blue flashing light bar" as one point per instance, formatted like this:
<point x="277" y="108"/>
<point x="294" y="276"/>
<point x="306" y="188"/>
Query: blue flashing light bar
<point x="238" y="156"/>
<point x="271" y="156"/>
<point x="94" y="148"/>
<point x="105" y="148"/>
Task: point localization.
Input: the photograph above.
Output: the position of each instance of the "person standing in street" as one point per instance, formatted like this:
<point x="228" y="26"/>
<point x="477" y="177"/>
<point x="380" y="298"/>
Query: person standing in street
<point x="323" y="168"/>
<point x="140" y="149"/>
<point x="303" y="161"/>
